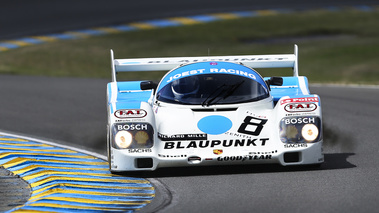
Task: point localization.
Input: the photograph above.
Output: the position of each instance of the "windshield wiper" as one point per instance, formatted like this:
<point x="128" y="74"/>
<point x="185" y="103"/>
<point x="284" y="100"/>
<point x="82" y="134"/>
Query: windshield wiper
<point x="206" y="102"/>
<point x="233" y="88"/>
<point x="226" y="92"/>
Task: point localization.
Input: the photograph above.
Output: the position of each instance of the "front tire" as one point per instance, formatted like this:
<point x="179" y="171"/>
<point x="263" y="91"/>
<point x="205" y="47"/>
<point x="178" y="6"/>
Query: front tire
<point x="109" y="150"/>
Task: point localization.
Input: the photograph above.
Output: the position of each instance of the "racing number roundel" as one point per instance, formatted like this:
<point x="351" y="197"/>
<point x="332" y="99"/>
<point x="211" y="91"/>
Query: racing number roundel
<point x="214" y="124"/>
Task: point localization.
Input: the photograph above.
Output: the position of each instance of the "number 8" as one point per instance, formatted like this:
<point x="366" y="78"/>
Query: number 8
<point x="248" y="121"/>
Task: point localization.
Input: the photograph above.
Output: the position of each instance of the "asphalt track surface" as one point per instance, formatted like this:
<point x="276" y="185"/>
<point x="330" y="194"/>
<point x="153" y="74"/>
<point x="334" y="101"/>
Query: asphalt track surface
<point x="72" y="111"/>
<point x="27" y="17"/>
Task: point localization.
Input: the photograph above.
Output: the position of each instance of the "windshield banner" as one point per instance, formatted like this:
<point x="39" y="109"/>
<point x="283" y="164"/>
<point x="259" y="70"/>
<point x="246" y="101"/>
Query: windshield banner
<point x="211" y="67"/>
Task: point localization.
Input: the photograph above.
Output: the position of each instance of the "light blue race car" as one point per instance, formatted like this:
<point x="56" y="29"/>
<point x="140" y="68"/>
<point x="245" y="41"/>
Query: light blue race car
<point x="215" y="110"/>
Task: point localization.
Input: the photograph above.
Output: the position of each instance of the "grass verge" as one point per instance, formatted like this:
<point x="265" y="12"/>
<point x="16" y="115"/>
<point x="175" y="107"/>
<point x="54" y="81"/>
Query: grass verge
<point x="334" y="47"/>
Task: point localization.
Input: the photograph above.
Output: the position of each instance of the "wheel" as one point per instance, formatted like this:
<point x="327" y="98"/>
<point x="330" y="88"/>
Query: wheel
<point x="109" y="149"/>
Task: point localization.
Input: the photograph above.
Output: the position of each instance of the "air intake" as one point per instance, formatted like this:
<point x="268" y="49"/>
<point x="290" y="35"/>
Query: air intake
<point x="194" y="160"/>
<point x="291" y="157"/>
<point x="144" y="163"/>
<point x="214" y="109"/>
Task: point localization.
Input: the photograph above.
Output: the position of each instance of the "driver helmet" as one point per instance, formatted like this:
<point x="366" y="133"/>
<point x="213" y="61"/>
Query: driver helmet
<point x="185" y="86"/>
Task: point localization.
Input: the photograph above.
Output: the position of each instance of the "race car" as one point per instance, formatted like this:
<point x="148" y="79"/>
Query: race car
<point x="212" y="110"/>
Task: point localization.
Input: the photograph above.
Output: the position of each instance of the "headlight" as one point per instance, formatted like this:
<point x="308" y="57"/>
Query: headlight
<point x="309" y="132"/>
<point x="141" y="137"/>
<point x="305" y="129"/>
<point x="132" y="135"/>
<point x="123" y="139"/>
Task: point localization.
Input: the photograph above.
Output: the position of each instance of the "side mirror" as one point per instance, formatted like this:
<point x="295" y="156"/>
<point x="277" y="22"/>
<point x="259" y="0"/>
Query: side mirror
<point x="148" y="85"/>
<point x="276" y="81"/>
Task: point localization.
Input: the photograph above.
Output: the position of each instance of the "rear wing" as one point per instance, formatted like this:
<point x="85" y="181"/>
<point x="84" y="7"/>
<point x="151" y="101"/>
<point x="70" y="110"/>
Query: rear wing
<point x="169" y="63"/>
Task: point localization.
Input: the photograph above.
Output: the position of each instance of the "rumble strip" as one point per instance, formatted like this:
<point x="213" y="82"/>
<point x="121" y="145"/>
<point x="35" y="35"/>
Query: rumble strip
<point x="64" y="180"/>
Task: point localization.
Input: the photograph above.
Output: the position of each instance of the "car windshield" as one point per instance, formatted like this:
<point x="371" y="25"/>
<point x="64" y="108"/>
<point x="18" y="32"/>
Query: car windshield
<point x="210" y="89"/>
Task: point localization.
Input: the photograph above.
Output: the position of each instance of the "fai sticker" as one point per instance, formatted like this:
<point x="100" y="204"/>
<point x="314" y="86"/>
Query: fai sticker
<point x="300" y="107"/>
<point x="130" y="113"/>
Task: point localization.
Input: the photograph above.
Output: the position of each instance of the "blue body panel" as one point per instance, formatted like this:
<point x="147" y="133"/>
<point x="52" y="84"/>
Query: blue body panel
<point x="292" y="86"/>
<point x="128" y="95"/>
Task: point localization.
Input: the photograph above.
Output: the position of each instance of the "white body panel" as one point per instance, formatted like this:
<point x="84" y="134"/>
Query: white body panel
<point x="183" y="135"/>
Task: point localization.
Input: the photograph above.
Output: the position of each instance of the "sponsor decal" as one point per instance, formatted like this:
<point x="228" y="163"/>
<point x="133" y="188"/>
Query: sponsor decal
<point x="244" y="158"/>
<point x="300" y="107"/>
<point x="213" y="61"/>
<point x="233" y="71"/>
<point x="140" y="150"/>
<point x="299" y="100"/>
<point x="216" y="143"/>
<point x="155" y="109"/>
<point x="130" y="113"/>
<point x="171" y="156"/>
<point x="265" y="153"/>
<point x="206" y="68"/>
<point x="198" y="59"/>
<point x="297" y="145"/>
<point x="300" y="120"/>
<point x="300" y="114"/>
<point x="218" y="151"/>
<point x="186" y="73"/>
<point x="183" y="137"/>
<point x="238" y="135"/>
<point x="252" y="113"/>
<point x="131" y="127"/>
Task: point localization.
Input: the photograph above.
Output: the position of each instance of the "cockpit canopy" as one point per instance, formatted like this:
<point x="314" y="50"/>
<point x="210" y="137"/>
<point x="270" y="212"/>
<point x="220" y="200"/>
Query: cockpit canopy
<point x="209" y="83"/>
